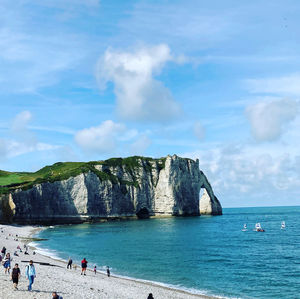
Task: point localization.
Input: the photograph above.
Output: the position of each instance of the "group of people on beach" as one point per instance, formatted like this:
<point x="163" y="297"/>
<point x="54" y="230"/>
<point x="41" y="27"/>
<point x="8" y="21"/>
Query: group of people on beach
<point x="30" y="271"/>
<point x="84" y="263"/>
<point x="15" y="272"/>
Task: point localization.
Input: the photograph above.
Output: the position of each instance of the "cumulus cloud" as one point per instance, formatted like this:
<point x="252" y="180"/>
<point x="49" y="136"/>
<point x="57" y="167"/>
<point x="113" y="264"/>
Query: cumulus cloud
<point x="268" y="119"/>
<point x="100" y="139"/>
<point x="199" y="130"/>
<point x="140" y="97"/>
<point x="260" y="175"/>
<point x="109" y="137"/>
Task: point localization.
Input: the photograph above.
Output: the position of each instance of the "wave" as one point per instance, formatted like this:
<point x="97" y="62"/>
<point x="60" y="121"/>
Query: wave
<point x="46" y="252"/>
<point x="53" y="254"/>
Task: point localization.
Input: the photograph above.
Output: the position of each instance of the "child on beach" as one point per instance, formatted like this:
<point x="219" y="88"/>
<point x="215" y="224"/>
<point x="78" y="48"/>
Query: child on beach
<point x="84" y="263"/>
<point x="15" y="275"/>
<point x="107" y="271"/>
<point x="31" y="274"/>
<point x="95" y="269"/>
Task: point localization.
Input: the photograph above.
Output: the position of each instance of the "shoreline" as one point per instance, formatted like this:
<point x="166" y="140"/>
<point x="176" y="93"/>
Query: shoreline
<point x="69" y="283"/>
<point x="45" y="253"/>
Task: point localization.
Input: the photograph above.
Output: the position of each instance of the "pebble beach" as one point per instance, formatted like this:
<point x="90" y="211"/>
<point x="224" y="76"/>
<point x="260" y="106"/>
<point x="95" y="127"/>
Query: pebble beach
<point x="69" y="283"/>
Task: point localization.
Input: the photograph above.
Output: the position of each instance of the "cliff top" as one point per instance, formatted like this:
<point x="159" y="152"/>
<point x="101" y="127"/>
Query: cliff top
<point x="63" y="170"/>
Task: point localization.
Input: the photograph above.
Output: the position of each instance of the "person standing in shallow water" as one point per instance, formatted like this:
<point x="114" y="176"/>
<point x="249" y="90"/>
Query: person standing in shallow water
<point x="84" y="263"/>
<point x="31" y="274"/>
<point x="15" y="275"/>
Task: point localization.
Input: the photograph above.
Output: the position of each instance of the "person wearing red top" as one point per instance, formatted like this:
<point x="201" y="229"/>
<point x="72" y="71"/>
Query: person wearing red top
<point x="83" y="266"/>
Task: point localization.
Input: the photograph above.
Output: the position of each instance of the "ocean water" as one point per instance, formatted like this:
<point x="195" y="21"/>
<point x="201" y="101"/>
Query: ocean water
<point x="209" y="255"/>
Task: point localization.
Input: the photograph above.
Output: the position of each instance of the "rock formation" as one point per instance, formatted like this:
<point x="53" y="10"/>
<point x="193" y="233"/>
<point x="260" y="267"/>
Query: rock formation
<point x="153" y="187"/>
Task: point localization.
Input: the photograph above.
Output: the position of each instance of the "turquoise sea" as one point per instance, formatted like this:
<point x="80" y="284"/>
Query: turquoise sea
<point x="208" y="255"/>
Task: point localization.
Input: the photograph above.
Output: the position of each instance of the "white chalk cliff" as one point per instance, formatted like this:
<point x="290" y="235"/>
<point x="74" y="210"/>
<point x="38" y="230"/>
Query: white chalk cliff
<point x="168" y="186"/>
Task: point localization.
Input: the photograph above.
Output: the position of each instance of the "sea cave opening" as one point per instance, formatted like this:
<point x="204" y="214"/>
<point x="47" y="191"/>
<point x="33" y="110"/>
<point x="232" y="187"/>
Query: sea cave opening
<point x="143" y="213"/>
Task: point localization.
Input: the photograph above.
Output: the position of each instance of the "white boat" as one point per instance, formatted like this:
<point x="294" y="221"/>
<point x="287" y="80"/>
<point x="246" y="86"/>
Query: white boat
<point x="258" y="228"/>
<point x="244" y="228"/>
<point x="283" y="225"/>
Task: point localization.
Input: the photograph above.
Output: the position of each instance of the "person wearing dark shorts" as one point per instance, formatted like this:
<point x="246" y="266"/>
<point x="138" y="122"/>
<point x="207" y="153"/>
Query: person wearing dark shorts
<point x="69" y="263"/>
<point x="84" y="263"/>
<point x="15" y="275"/>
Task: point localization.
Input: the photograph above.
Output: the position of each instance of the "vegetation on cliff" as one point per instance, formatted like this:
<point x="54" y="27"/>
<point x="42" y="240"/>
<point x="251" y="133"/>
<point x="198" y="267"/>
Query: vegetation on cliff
<point x="63" y="170"/>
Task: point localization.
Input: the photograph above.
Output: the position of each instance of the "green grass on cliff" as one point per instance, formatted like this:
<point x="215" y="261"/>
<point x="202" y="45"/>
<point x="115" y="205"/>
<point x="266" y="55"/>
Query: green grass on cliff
<point x="64" y="170"/>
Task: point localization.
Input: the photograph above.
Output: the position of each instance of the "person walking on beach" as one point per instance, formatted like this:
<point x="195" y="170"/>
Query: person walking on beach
<point x="84" y="263"/>
<point x="31" y="274"/>
<point x="95" y="269"/>
<point x="69" y="263"/>
<point x="6" y="263"/>
<point x="107" y="271"/>
<point x="15" y="275"/>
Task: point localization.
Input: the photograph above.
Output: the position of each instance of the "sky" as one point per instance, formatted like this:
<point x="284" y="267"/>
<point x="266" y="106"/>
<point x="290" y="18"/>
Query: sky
<point x="217" y="81"/>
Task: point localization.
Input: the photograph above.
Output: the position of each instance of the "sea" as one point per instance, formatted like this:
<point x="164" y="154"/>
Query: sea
<point x="208" y="255"/>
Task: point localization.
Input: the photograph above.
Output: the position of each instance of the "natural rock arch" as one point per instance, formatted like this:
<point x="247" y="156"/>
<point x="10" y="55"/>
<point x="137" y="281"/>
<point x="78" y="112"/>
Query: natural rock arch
<point x="209" y="204"/>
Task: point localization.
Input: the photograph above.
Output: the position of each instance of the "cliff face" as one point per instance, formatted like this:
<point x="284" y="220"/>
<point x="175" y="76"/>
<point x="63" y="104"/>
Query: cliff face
<point x="153" y="187"/>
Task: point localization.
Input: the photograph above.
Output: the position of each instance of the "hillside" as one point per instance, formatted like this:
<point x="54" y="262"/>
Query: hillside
<point x="63" y="170"/>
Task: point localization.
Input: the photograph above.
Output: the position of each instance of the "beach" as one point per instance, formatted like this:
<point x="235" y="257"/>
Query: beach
<point x="69" y="283"/>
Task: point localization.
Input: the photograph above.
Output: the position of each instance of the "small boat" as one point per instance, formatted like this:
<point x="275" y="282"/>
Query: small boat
<point x="258" y="228"/>
<point x="283" y="225"/>
<point x="244" y="228"/>
<point x="51" y="226"/>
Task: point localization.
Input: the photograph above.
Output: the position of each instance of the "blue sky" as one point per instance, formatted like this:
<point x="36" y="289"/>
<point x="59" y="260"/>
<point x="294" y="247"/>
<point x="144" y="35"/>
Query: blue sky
<point x="215" y="80"/>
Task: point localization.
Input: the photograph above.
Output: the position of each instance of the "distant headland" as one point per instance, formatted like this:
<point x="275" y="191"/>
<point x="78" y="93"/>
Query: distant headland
<point x="75" y="192"/>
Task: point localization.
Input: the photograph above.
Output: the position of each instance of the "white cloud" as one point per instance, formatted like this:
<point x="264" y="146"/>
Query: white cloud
<point x="268" y="119"/>
<point x="244" y="175"/>
<point x="19" y="129"/>
<point x="285" y="85"/>
<point x="21" y="121"/>
<point x="101" y="139"/>
<point x="140" y="145"/>
<point x="22" y="139"/>
<point x="199" y="130"/>
<point x="111" y="138"/>
<point x="140" y="97"/>
<point x="17" y="148"/>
